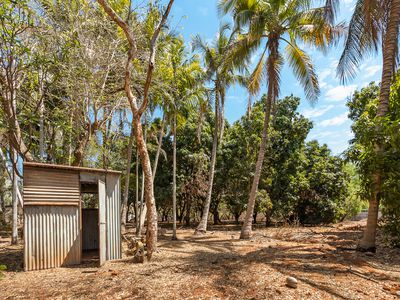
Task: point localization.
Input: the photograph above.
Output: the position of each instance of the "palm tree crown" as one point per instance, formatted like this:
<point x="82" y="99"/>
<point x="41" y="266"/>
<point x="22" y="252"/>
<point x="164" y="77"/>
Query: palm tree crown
<point x="266" y="25"/>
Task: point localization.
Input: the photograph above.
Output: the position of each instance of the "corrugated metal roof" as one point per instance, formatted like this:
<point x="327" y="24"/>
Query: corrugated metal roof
<point x="72" y="168"/>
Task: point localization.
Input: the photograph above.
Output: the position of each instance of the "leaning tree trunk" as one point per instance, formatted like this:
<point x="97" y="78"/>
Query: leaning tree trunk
<point x="14" y="237"/>
<point x="126" y="188"/>
<point x="202" y="227"/>
<point x="390" y="47"/>
<point x="246" y="228"/>
<point x="174" y="237"/>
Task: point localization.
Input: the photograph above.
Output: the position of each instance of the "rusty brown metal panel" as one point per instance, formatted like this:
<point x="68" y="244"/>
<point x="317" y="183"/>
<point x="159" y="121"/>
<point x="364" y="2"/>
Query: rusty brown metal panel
<point x="52" y="237"/>
<point x="50" y="186"/>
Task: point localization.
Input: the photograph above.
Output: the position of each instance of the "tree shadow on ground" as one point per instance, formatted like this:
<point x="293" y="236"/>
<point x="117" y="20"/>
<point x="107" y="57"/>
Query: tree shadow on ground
<point x="12" y="258"/>
<point x="313" y="263"/>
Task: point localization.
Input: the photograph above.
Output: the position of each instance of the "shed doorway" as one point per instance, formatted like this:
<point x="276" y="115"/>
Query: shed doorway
<point x="93" y="222"/>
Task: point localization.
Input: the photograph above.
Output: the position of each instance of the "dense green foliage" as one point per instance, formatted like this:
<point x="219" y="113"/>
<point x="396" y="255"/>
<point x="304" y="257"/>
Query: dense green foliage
<point x="302" y="180"/>
<point x="363" y="109"/>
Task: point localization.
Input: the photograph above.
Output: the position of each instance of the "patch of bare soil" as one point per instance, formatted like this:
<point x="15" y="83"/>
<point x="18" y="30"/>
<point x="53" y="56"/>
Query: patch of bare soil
<point x="220" y="266"/>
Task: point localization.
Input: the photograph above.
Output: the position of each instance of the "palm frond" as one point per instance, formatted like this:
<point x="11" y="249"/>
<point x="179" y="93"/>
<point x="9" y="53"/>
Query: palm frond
<point x="331" y="9"/>
<point x="303" y="69"/>
<point x="257" y="76"/>
<point x="362" y="39"/>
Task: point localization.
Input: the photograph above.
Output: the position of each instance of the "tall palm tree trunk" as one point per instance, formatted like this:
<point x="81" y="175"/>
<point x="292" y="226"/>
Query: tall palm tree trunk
<point x="202" y="227"/>
<point x="389" y="52"/>
<point x="246" y="228"/>
<point x="174" y="237"/>
<point x="126" y="188"/>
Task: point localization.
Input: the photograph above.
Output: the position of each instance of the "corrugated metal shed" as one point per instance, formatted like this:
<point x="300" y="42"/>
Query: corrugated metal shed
<point x="53" y="215"/>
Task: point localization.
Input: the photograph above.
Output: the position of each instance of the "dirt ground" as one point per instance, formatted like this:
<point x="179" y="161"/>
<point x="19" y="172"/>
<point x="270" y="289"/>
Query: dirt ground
<point x="220" y="266"/>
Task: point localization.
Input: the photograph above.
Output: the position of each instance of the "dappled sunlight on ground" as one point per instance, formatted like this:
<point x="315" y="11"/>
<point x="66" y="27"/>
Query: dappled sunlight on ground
<point x="218" y="265"/>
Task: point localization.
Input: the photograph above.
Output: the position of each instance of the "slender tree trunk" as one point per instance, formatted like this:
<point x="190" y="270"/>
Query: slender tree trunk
<point x="127" y="177"/>
<point x="174" y="237"/>
<point x="249" y="105"/>
<point x="160" y="138"/>
<point x="236" y="216"/>
<point x="202" y="227"/>
<point x="267" y="219"/>
<point x="137" y="219"/>
<point x="246" y="228"/>
<point x="14" y="237"/>
<point x="389" y="52"/>
<point x="2" y="207"/>
<point x="41" y="129"/>
<point x="142" y="208"/>
<point x="216" y="217"/>
<point x="222" y="116"/>
<point x="71" y="123"/>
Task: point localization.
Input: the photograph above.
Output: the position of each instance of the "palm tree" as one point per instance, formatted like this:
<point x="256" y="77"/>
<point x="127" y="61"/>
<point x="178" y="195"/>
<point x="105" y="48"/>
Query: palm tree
<point x="266" y="25"/>
<point x="222" y="76"/>
<point x="373" y="22"/>
<point x="186" y="91"/>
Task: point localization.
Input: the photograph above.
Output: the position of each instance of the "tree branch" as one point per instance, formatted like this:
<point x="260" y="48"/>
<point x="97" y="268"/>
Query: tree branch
<point x="153" y="49"/>
<point x="131" y="52"/>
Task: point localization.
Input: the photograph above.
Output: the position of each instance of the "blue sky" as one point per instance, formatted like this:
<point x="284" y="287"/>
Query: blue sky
<point x="329" y="114"/>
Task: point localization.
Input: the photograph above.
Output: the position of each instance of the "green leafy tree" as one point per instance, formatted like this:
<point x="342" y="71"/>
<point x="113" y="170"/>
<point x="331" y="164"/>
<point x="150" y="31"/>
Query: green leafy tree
<point x="374" y="24"/>
<point x="267" y="25"/>
<point x="364" y="108"/>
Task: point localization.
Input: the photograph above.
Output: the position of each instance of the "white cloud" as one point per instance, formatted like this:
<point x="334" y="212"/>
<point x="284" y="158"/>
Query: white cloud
<point x="322" y="134"/>
<point x="324" y="74"/>
<point x="316" y="112"/>
<point x="340" y="92"/>
<point x="338" y="120"/>
<point x="333" y="64"/>
<point x="371" y="70"/>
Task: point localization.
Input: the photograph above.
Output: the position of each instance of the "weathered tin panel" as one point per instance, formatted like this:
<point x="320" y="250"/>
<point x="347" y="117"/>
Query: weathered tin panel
<point x="51" y="186"/>
<point x="113" y="208"/>
<point x="102" y="222"/>
<point x="90" y="229"/>
<point x="52" y="236"/>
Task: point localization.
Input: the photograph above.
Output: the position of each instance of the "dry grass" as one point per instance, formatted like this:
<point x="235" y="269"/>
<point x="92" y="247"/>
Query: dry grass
<point x="218" y="265"/>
